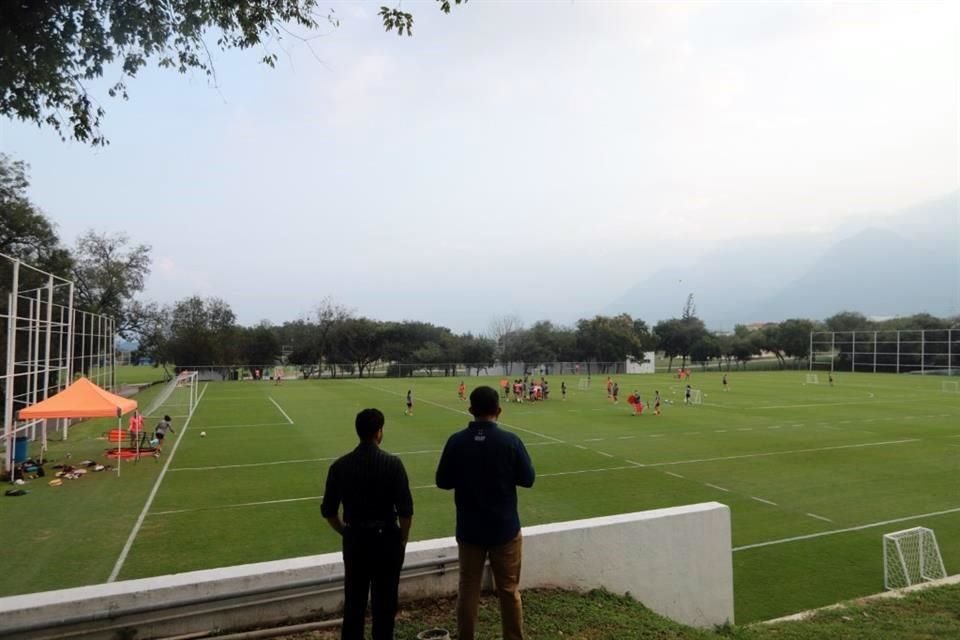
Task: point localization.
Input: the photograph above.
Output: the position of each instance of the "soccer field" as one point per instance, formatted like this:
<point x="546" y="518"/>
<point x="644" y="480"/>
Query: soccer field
<point x="813" y="474"/>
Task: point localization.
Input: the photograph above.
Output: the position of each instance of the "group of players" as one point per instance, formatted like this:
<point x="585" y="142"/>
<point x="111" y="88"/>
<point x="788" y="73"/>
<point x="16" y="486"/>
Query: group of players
<point x="530" y="389"/>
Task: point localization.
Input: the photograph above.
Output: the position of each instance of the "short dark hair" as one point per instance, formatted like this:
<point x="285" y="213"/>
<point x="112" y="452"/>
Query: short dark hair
<point x="369" y="421"/>
<point x="484" y="401"/>
<point x="167" y="418"/>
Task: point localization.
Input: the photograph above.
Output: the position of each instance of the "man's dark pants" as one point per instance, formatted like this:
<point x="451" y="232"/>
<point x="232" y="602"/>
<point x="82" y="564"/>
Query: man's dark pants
<point x="372" y="558"/>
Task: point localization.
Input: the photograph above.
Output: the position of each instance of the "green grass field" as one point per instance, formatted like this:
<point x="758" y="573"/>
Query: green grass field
<point x="813" y="474"/>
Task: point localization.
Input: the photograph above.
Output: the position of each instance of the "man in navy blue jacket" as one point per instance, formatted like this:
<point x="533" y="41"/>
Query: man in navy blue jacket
<point x="484" y="465"/>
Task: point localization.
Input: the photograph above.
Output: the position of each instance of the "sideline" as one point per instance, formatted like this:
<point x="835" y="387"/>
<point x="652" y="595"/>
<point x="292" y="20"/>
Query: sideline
<point x="242" y="426"/>
<point x="781" y="453"/>
<point x="153" y="494"/>
<point x="296" y="461"/>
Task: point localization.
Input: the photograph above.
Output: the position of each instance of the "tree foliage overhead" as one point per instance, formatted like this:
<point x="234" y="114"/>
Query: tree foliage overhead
<point x="26" y="233"/>
<point x="52" y="52"/>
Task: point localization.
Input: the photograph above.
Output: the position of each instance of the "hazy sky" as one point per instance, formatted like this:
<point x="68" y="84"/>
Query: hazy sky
<point x="536" y="158"/>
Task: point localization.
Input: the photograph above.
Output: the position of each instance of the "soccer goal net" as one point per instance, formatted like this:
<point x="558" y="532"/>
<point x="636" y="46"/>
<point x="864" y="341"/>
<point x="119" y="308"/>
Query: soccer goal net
<point x="911" y="556"/>
<point x="584" y="384"/>
<point x="812" y="378"/>
<point x="177" y="399"/>
<point x="696" y="396"/>
<point x="950" y="386"/>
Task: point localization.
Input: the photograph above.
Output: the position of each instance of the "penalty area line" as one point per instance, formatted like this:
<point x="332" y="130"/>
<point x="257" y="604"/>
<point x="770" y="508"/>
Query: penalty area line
<point x="280" y="409"/>
<point x="861" y="527"/>
<point x="153" y="494"/>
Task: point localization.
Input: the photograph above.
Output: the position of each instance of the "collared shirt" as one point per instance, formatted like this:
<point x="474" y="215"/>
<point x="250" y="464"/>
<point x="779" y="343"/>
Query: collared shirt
<point x="484" y="465"/>
<point x="371" y="484"/>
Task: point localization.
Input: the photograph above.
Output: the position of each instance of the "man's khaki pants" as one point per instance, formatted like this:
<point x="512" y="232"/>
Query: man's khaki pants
<point x="505" y="563"/>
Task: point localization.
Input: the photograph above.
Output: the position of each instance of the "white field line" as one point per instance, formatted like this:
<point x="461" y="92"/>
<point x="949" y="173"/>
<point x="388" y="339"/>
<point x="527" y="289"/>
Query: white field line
<point x="713" y="486"/>
<point x="281" y="409"/>
<point x="782" y="453"/>
<point x="253" y="398"/>
<point x="153" y="494"/>
<point x="603" y="453"/>
<point x="770" y="502"/>
<point x="234" y="506"/>
<point x="675" y="475"/>
<point x="819" y="404"/>
<point x="847" y="529"/>
<point x="296" y="461"/>
<point x="245" y="426"/>
<point x="813" y="515"/>
<point x="582" y="471"/>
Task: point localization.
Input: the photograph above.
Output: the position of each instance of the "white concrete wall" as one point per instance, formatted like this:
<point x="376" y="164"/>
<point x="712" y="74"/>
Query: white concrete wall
<point x="643" y="365"/>
<point x="676" y="561"/>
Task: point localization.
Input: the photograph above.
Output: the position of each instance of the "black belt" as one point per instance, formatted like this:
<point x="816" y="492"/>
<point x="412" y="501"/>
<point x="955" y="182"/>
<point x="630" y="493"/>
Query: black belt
<point x="373" y="524"/>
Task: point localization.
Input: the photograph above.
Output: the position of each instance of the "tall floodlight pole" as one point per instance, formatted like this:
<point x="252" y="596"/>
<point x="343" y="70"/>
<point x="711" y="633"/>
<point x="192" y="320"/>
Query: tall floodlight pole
<point x="874" y="351"/>
<point x="810" y="359"/>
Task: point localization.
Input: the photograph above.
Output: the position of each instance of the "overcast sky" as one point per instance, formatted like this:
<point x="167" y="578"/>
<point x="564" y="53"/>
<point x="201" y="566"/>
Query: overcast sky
<point x="535" y="158"/>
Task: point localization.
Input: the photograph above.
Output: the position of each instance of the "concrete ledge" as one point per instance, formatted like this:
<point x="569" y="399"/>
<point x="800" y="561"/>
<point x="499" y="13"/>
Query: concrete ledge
<point x="677" y="561"/>
<point x="883" y="595"/>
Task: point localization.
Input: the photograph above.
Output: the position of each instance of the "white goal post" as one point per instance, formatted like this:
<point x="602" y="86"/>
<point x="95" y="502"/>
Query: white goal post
<point x="177" y="399"/>
<point x="950" y="386"/>
<point x="812" y="378"/>
<point x="910" y="557"/>
<point x="584" y="384"/>
<point x="696" y="396"/>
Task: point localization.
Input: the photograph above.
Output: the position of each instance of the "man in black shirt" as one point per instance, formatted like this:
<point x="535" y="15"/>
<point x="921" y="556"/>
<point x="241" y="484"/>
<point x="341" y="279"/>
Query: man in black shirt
<point x="377" y="513"/>
<point x="484" y="465"/>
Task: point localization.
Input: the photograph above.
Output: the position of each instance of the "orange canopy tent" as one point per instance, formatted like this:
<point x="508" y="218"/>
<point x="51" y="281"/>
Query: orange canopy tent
<point x="82" y="399"/>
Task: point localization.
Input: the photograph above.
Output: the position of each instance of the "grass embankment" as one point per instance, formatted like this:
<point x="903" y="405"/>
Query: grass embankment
<point x="598" y="615"/>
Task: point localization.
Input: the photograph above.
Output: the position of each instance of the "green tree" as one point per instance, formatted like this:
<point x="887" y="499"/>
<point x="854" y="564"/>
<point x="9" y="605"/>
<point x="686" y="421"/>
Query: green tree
<point x="607" y="339"/>
<point x="26" y="233"/>
<point x="646" y="338"/>
<point x="259" y="345"/>
<point x="108" y="272"/>
<point x="795" y="337"/>
<point x="359" y="341"/>
<point x="769" y="338"/>
<point x="478" y="352"/>
<point x="847" y="321"/>
<point x="201" y="332"/>
<point x="705" y="349"/>
<point x="402" y="21"/>
<point x="51" y="51"/>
